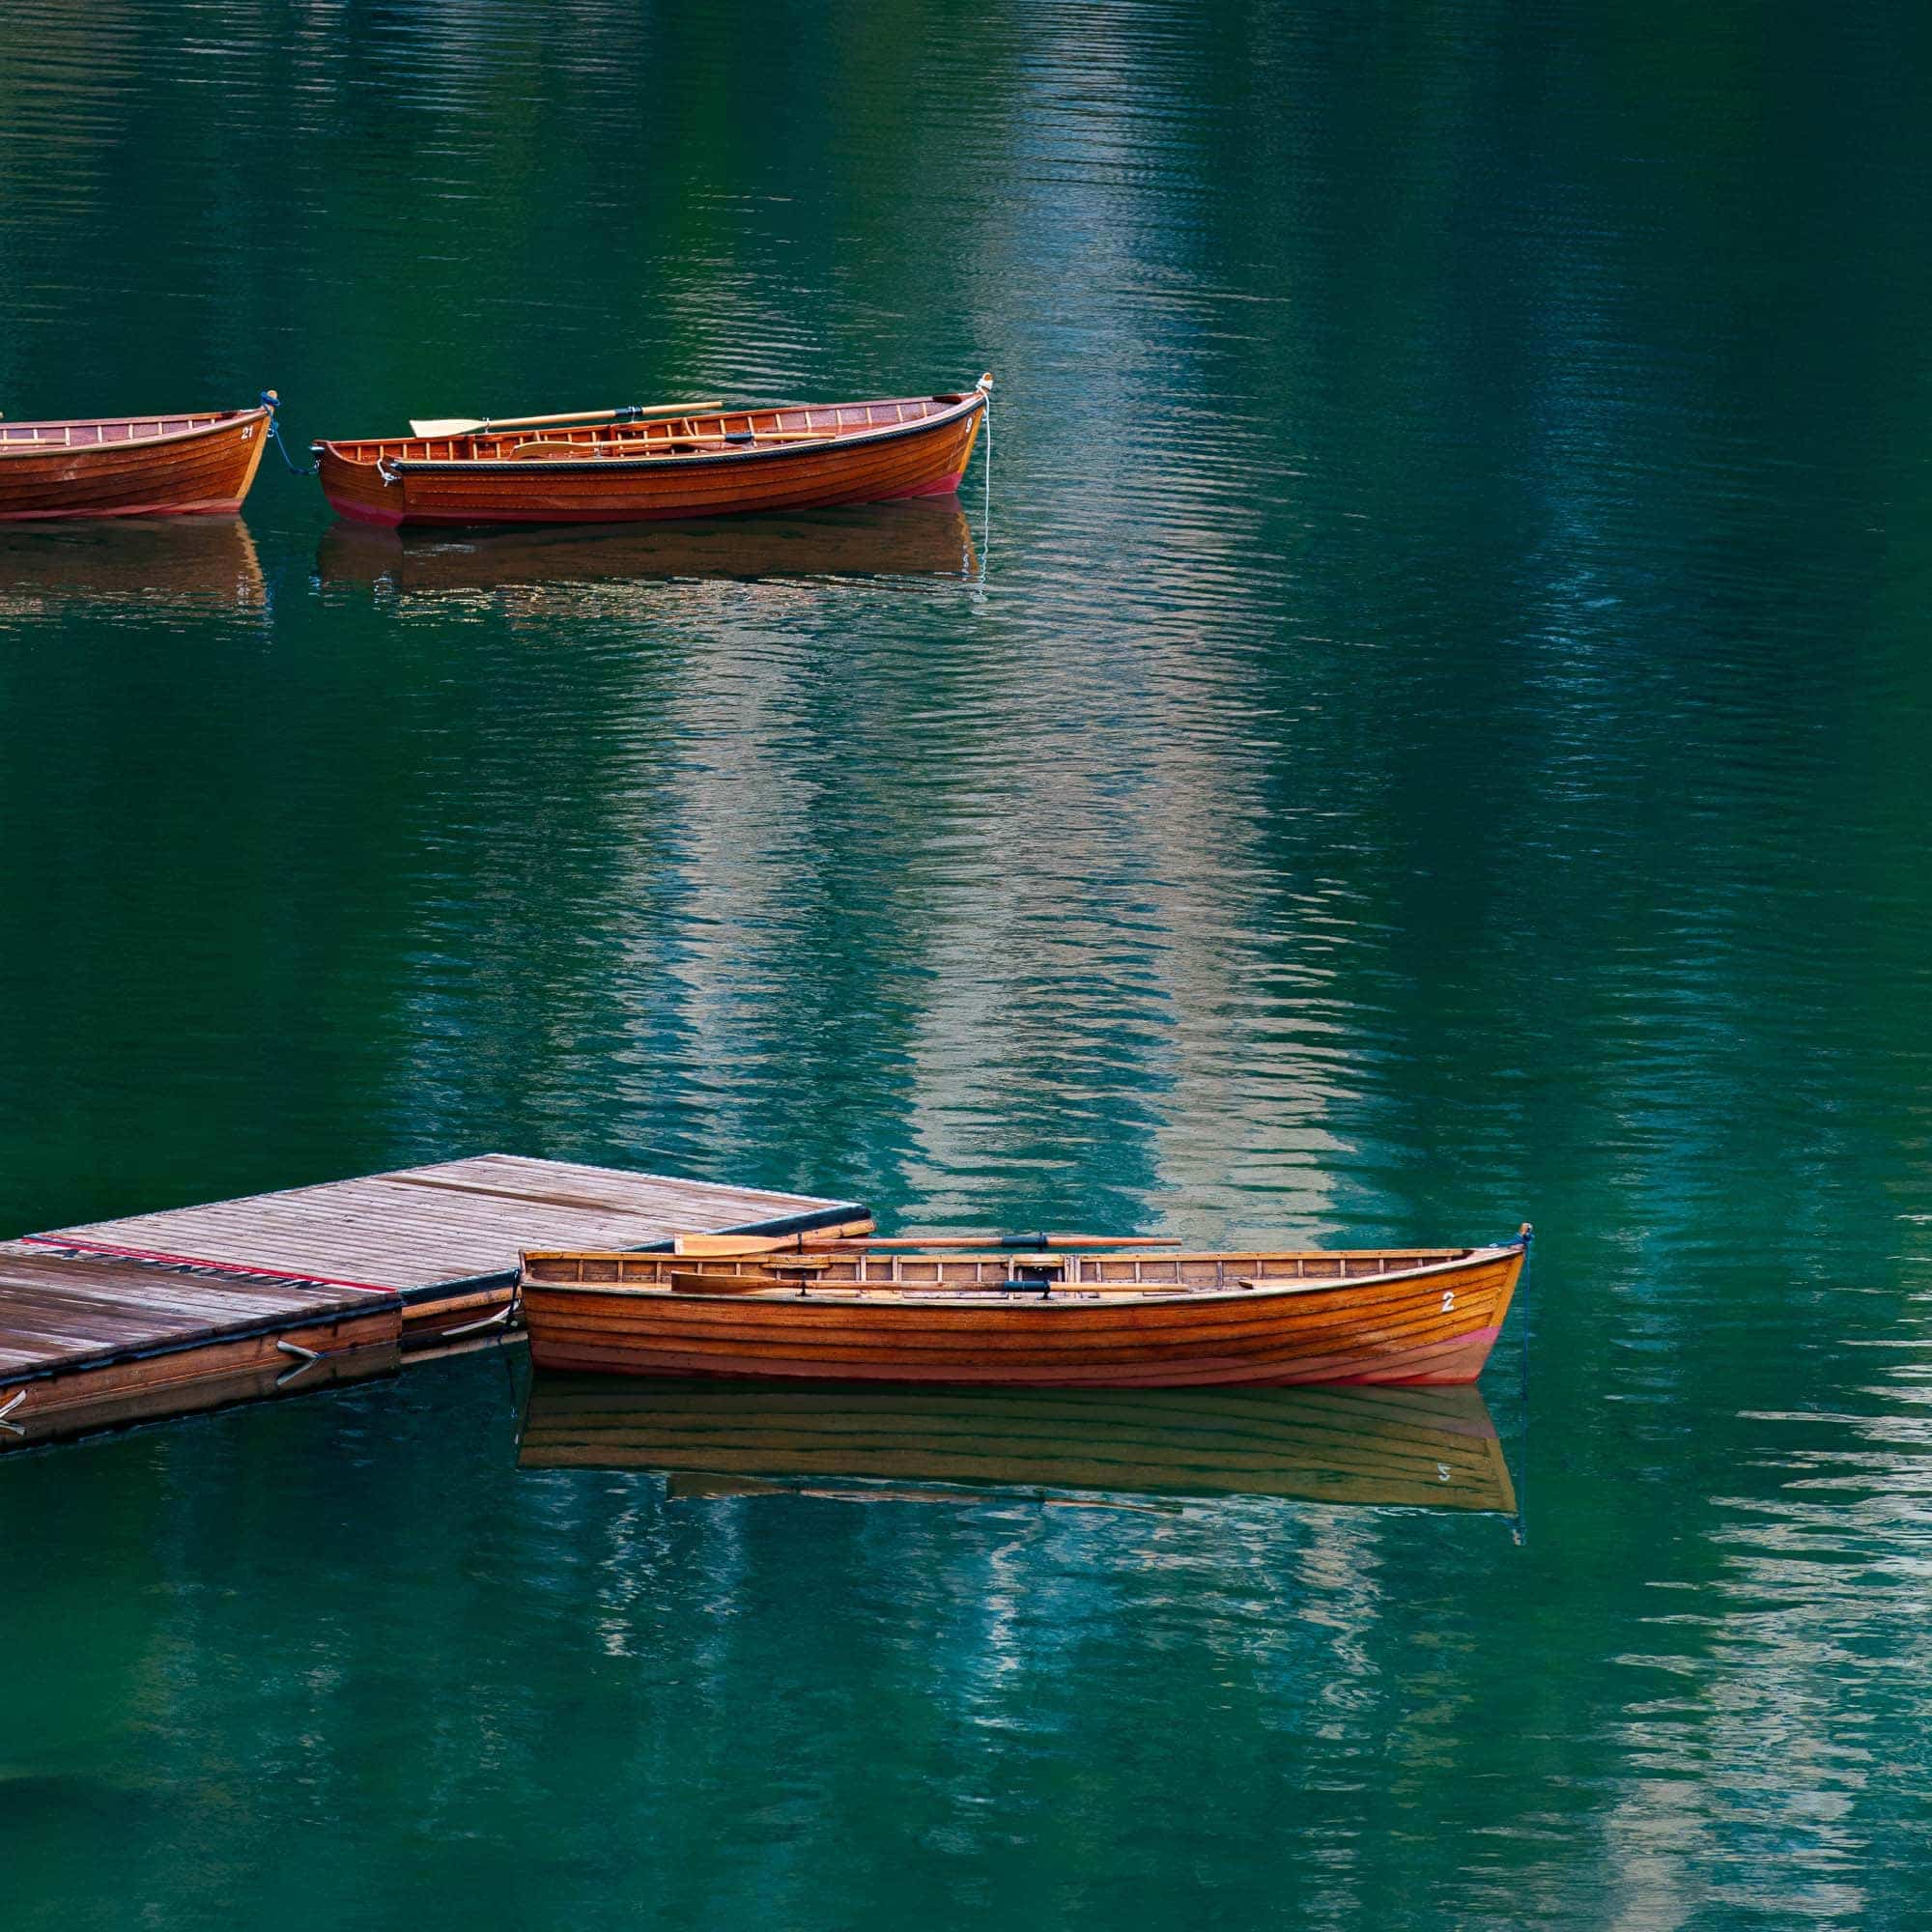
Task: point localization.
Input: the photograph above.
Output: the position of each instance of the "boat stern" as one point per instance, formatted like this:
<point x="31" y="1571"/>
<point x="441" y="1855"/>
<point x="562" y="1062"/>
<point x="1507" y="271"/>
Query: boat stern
<point x="1476" y="1298"/>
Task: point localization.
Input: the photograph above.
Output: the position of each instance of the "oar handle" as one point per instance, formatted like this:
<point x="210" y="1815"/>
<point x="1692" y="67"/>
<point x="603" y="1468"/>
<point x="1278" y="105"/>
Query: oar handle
<point x="624" y="412"/>
<point x="435" y="427"/>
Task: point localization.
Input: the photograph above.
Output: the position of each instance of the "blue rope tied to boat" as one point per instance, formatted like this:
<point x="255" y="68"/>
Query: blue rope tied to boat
<point x="271" y="402"/>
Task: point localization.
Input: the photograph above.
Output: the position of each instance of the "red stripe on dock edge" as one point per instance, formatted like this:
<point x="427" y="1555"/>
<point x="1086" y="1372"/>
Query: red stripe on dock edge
<point x="202" y="1262"/>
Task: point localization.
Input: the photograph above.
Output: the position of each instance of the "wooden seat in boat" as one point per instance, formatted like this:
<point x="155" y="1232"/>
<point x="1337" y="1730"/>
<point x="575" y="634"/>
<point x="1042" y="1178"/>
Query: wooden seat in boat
<point x="696" y="1282"/>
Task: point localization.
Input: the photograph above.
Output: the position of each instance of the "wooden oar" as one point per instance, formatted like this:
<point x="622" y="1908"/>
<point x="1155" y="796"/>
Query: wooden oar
<point x="739" y="440"/>
<point x="436" y="426"/>
<point x="737" y="436"/>
<point x="999" y="1243"/>
<point x="725" y="1247"/>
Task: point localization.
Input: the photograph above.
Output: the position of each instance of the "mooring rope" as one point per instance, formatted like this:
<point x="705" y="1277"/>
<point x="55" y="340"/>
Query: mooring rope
<point x="985" y="386"/>
<point x="271" y="402"/>
<point x="986" y="512"/>
<point x="1519" y="1529"/>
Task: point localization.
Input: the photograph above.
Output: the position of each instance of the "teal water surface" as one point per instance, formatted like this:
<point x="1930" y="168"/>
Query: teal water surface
<point x="1433" y="733"/>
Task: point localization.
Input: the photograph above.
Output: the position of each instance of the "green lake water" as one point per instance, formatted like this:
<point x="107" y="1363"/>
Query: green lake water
<point x="1437" y="730"/>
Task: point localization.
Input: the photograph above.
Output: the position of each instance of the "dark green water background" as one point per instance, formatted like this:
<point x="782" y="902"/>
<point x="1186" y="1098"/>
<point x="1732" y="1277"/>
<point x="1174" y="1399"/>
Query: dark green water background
<point x="1437" y="734"/>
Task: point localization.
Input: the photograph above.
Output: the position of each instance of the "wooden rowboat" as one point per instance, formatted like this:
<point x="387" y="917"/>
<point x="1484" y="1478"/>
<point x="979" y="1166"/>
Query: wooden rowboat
<point x="713" y="464"/>
<point x="196" y="465"/>
<point x="1052" y="1316"/>
<point x="1413" y="1448"/>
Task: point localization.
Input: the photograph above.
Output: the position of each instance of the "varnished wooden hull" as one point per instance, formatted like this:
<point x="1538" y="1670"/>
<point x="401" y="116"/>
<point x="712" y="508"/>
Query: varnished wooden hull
<point x="131" y="466"/>
<point x="1433" y="1323"/>
<point x="407" y="484"/>
<point x="1418" y="1448"/>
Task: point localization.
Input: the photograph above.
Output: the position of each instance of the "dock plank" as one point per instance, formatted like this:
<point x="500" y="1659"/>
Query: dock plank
<point x="414" y="1230"/>
<point x="186" y="1308"/>
<point x="60" y="1313"/>
<point x="28" y="1270"/>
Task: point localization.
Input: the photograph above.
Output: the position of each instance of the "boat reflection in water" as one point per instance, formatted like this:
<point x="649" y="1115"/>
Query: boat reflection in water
<point x="914" y="539"/>
<point x="155" y="563"/>
<point x="1426" y="1448"/>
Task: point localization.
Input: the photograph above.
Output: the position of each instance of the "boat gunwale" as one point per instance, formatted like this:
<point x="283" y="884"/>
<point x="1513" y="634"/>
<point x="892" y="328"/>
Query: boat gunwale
<point x="1047" y="1296"/>
<point x="545" y="466"/>
<point x="201" y="422"/>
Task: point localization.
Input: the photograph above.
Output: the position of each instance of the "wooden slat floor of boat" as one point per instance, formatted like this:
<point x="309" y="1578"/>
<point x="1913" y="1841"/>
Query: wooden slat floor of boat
<point x="419" y="1231"/>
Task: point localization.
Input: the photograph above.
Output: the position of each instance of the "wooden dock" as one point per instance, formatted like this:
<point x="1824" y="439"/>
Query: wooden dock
<point x="160" y="1313"/>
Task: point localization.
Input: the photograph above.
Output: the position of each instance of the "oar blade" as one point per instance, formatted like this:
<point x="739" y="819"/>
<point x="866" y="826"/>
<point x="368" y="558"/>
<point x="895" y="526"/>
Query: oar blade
<point x="443" y="425"/>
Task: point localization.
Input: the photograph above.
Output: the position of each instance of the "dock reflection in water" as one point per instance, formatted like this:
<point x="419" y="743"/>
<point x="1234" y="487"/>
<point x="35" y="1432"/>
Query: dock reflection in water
<point x="914" y="539"/>
<point x="1414" y="1448"/>
<point x="153" y="563"/>
<point x="281" y="1377"/>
